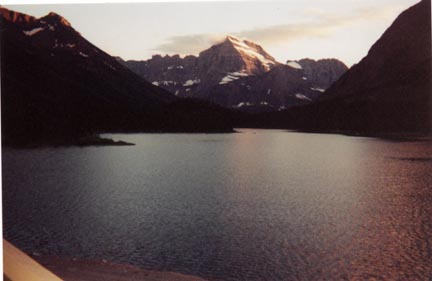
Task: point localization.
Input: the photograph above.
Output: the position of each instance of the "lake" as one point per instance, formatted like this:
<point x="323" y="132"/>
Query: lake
<point x="254" y="205"/>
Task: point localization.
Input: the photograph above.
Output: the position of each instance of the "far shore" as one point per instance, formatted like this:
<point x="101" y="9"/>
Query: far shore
<point x="100" y="140"/>
<point x="72" y="269"/>
<point x="96" y="139"/>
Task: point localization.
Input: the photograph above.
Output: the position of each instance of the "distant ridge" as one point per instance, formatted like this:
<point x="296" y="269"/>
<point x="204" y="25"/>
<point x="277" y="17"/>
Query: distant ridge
<point x="240" y="74"/>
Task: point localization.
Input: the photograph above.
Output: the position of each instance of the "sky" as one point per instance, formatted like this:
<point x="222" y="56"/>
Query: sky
<point x="287" y="30"/>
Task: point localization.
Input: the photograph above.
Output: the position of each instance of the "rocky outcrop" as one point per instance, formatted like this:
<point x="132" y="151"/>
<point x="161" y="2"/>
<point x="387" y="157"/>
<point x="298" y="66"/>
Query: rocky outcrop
<point x="324" y="72"/>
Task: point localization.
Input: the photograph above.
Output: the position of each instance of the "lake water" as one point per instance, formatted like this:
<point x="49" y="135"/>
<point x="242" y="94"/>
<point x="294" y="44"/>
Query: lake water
<point x="255" y="205"/>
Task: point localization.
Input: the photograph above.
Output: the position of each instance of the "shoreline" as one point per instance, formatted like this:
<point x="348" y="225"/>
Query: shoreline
<point x="99" y="139"/>
<point x="74" y="269"/>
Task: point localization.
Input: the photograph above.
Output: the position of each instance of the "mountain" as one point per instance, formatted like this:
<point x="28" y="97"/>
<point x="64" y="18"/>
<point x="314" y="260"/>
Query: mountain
<point x="240" y="74"/>
<point x="168" y="72"/>
<point x="222" y="63"/>
<point x="322" y="73"/>
<point x="390" y="89"/>
<point x="56" y="84"/>
<point x="387" y="92"/>
<point x="231" y="59"/>
<point x="280" y="88"/>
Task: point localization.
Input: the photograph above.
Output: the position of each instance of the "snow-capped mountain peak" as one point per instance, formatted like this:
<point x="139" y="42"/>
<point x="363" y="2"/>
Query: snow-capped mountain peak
<point x="232" y="38"/>
<point x="251" y="51"/>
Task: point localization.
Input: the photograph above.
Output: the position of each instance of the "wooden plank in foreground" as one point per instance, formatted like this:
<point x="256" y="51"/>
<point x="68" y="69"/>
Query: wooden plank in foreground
<point x="20" y="267"/>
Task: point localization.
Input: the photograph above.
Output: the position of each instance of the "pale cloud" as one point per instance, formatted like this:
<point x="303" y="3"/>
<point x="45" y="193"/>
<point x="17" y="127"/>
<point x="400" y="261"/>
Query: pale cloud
<point x="319" y="25"/>
<point x="189" y="44"/>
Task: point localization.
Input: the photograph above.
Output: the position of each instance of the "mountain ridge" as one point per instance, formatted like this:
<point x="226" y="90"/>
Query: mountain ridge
<point x="225" y="71"/>
<point x="388" y="93"/>
<point x="58" y="85"/>
<point x="393" y="82"/>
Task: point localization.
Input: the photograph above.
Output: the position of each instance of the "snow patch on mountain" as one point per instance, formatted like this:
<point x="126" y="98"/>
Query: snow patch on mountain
<point x="294" y="64"/>
<point x="302" y="97"/>
<point x="318" y="90"/>
<point x="166" y="83"/>
<point x="227" y="79"/>
<point x="33" y="31"/>
<point x="244" y="104"/>
<point x="189" y="83"/>
<point x="231" y="76"/>
<point x="239" y="74"/>
<point x="250" y="51"/>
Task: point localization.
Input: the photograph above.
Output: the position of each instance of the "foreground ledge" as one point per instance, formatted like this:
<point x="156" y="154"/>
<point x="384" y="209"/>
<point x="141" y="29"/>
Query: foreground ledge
<point x="20" y="267"/>
<point x="75" y="269"/>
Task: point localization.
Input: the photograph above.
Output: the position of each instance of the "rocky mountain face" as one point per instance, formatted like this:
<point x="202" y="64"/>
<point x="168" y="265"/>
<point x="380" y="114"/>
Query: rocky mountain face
<point x="323" y="72"/>
<point x="240" y="74"/>
<point x="236" y="57"/>
<point x="168" y="72"/>
<point x="221" y="63"/>
<point x="280" y="88"/>
<point x="387" y="92"/>
<point x="56" y="84"/>
<point x="389" y="89"/>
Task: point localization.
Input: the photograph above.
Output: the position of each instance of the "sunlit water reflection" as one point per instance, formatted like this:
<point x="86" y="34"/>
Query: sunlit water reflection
<point x="257" y="205"/>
